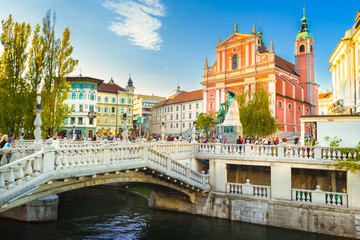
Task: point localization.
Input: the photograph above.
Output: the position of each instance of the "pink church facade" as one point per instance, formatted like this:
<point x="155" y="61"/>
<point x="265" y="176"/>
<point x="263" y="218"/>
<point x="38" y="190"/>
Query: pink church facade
<point x="243" y="61"/>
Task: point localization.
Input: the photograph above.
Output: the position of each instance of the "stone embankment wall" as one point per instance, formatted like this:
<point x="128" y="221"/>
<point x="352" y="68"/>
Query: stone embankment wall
<point x="304" y="217"/>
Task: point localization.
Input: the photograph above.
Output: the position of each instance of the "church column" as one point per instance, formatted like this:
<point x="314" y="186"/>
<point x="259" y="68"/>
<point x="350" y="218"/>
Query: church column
<point x="338" y="78"/>
<point x="218" y="60"/>
<point x="246" y="90"/>
<point x="204" y="101"/>
<point x="252" y="91"/>
<point x="246" y="54"/>
<point x="223" y="60"/>
<point x="222" y="93"/>
<point x="217" y="99"/>
<point x="272" y="94"/>
<point x="333" y="76"/>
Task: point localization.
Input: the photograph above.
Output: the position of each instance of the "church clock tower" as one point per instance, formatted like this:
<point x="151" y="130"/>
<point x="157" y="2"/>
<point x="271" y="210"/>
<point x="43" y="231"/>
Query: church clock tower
<point x="304" y="63"/>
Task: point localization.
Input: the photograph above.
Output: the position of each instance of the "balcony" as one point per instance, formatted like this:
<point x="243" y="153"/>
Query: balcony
<point x="92" y="114"/>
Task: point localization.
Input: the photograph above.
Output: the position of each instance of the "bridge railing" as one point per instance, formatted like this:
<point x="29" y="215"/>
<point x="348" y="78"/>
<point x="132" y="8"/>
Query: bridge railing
<point x="20" y="171"/>
<point x="8" y="155"/>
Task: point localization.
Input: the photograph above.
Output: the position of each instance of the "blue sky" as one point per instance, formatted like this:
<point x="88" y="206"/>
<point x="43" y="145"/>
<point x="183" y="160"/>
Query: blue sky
<point x="163" y="42"/>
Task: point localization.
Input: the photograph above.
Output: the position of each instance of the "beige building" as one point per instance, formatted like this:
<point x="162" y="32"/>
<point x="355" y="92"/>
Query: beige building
<point x="112" y="102"/>
<point x="345" y="69"/>
<point x="178" y="113"/>
<point x="325" y="100"/>
<point x="143" y="105"/>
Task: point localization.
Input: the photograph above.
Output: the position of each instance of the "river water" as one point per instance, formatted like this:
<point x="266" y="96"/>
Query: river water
<point x="98" y="213"/>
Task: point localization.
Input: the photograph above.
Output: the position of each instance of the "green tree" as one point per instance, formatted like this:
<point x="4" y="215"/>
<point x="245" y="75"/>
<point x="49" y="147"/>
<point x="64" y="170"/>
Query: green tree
<point x="255" y="115"/>
<point x="205" y="122"/>
<point x="34" y="75"/>
<point x="13" y="85"/>
<point x="58" y="64"/>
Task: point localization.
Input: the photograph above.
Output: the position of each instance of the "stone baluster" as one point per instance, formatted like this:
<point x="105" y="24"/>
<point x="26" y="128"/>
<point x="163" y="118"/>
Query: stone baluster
<point x="11" y="177"/>
<point x="28" y="170"/>
<point x="20" y="173"/>
<point x="2" y="182"/>
<point x="317" y="152"/>
<point x="37" y="165"/>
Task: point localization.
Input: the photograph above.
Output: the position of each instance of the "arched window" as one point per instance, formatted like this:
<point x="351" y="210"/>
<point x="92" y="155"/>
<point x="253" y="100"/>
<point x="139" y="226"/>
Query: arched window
<point x="311" y="48"/>
<point x="280" y="104"/>
<point x="302" y="48"/>
<point x="73" y="96"/>
<point x="235" y="62"/>
<point x="81" y="96"/>
<point x="289" y="106"/>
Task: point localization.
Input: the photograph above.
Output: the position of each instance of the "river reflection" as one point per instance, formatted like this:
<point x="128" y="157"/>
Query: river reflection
<point x="98" y="213"/>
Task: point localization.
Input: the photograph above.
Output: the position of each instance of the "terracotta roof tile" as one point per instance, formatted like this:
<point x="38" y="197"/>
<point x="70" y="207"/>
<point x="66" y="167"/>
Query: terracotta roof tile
<point x="110" y="87"/>
<point x="182" y="97"/>
<point x="285" y="65"/>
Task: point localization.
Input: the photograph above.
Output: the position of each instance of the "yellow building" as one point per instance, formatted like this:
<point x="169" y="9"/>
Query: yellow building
<point x="345" y="69"/>
<point x="325" y="100"/>
<point x="112" y="102"/>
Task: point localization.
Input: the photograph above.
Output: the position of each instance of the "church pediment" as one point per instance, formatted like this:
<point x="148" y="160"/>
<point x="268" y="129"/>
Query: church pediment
<point x="234" y="38"/>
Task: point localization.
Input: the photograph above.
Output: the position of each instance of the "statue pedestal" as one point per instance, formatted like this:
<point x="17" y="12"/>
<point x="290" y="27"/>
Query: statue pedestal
<point x="231" y="128"/>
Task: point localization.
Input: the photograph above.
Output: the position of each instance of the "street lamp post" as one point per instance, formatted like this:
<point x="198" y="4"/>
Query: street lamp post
<point x="163" y="129"/>
<point x="73" y="132"/>
<point x="194" y="132"/>
<point x="38" y="122"/>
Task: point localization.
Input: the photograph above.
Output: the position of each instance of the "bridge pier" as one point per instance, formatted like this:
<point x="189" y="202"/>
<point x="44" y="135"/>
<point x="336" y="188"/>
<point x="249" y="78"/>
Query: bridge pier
<point x="40" y="210"/>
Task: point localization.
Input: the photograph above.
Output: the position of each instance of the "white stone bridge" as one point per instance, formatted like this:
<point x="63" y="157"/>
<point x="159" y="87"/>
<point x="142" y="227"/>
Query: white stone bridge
<point x="38" y="171"/>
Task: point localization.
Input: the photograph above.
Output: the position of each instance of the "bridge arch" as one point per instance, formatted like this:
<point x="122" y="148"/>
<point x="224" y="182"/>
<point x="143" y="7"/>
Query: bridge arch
<point x="135" y="176"/>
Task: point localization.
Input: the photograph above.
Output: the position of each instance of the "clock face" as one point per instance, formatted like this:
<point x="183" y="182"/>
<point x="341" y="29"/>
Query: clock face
<point x="264" y="58"/>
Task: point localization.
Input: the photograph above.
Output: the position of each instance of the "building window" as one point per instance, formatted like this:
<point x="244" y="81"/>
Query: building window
<point x="211" y="105"/>
<point x="91" y="121"/>
<point x="81" y="108"/>
<point x="183" y="107"/>
<point x="80" y="120"/>
<point x="177" y="108"/>
<point x="183" y="125"/>
<point x="307" y="110"/>
<point x="81" y="86"/>
<point x="92" y="96"/>
<point x="177" y="125"/>
<point x="106" y="99"/>
<point x="298" y="109"/>
<point x="73" y="96"/>
<point x="113" y="100"/>
<point x="302" y="48"/>
<point x="183" y="115"/>
<point x="171" y="117"/>
<point x="177" y="116"/>
<point x="73" y="107"/>
<point x="171" y="109"/>
<point x="289" y="106"/>
<point x="235" y="62"/>
<point x="113" y="109"/>
<point x="129" y="101"/>
<point x="73" y="86"/>
<point x="81" y="96"/>
<point x="189" y="115"/>
<point x="280" y="104"/>
<point x="99" y="99"/>
<point x="171" y="125"/>
<point x="105" y="109"/>
<point x="91" y="108"/>
<point x="189" y="125"/>
<point x="189" y="106"/>
<point x="72" y="121"/>
<point x="197" y="105"/>
<point x="99" y="109"/>
<point x="311" y="48"/>
<point x="197" y="115"/>
<point x="122" y="100"/>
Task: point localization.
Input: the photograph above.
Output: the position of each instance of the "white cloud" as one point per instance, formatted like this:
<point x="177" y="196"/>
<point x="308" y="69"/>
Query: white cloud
<point x="137" y="20"/>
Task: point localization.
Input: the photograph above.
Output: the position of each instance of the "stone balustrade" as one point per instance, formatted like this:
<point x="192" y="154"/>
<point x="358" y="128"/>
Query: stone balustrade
<point x="9" y="155"/>
<point x="42" y="166"/>
<point x="320" y="197"/>
<point x="248" y="189"/>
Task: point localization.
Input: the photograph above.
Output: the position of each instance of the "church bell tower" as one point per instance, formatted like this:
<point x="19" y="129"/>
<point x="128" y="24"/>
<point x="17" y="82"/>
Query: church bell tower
<point x="304" y="63"/>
